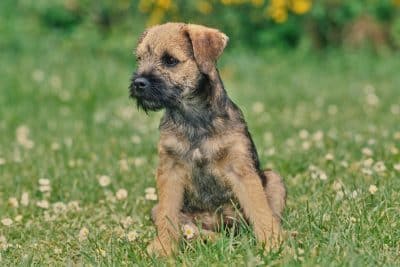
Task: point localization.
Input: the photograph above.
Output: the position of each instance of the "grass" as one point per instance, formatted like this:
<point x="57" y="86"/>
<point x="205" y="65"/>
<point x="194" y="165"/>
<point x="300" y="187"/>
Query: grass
<point x="65" y="116"/>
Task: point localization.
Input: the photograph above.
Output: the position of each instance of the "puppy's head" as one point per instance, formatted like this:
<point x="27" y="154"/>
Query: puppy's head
<point x="173" y="61"/>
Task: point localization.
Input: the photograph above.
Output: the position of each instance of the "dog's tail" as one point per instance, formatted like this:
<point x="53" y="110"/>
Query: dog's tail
<point x="276" y="192"/>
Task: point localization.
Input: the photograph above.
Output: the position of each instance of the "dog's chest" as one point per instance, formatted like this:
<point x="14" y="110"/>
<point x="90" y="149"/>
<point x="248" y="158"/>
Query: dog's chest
<point x="203" y="189"/>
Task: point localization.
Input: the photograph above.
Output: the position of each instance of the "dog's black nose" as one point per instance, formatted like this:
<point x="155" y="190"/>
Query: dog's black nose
<point x="141" y="83"/>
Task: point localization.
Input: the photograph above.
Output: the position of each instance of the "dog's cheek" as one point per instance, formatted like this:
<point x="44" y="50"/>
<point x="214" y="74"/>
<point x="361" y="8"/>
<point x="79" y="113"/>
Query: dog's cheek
<point x="190" y="74"/>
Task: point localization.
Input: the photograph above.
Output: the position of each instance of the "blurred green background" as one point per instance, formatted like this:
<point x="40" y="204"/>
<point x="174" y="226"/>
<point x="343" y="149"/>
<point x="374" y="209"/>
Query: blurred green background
<point x="250" y="23"/>
<point x="318" y="82"/>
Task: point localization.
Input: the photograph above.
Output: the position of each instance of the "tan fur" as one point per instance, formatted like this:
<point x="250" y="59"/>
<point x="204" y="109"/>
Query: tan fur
<point x="225" y="156"/>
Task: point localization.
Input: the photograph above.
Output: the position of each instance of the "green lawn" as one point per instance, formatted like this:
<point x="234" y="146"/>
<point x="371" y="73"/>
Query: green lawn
<point x="328" y="122"/>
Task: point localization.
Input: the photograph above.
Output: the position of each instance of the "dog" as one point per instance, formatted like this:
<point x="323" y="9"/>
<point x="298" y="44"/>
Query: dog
<point x="208" y="164"/>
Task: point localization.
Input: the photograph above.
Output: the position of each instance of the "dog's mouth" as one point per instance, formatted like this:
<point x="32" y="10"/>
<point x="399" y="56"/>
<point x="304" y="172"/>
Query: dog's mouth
<point x="154" y="97"/>
<point x="149" y="105"/>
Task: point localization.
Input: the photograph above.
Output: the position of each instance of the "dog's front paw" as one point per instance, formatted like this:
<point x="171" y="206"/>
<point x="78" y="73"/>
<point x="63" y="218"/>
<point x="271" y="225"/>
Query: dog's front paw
<point x="161" y="249"/>
<point x="273" y="241"/>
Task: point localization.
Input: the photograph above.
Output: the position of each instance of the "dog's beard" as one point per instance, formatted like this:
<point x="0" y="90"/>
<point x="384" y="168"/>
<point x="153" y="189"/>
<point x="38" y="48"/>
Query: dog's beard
<point x="157" y="96"/>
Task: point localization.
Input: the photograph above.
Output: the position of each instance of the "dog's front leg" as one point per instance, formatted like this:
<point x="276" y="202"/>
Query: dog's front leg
<point x="247" y="187"/>
<point x="170" y="188"/>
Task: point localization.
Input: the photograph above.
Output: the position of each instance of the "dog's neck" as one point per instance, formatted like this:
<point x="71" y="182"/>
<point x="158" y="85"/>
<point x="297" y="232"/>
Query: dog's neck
<point x="197" y="114"/>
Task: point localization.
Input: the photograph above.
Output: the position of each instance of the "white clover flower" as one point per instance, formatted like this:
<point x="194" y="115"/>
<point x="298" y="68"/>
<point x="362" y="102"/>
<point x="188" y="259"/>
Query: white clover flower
<point x="18" y="218"/>
<point x="135" y="139"/>
<point x="121" y="194"/>
<point x="73" y="205"/>
<point x="83" y="234"/>
<point x="303" y="134"/>
<point x="139" y="161"/>
<point x="44" y="182"/>
<point x="318" y="135"/>
<point x="132" y="236"/>
<point x="380" y="167"/>
<point x="372" y="189"/>
<point x="3" y="243"/>
<point x="306" y="145"/>
<point x="150" y="190"/>
<point x="13" y="202"/>
<point x="25" y="199"/>
<point x="258" y="107"/>
<point x="104" y="180"/>
<point x="55" y="146"/>
<point x="322" y="176"/>
<point x="38" y="75"/>
<point x="126" y="222"/>
<point x="151" y="197"/>
<point x="372" y="99"/>
<point x="396" y="167"/>
<point x="7" y="221"/>
<point x="44" y="204"/>
<point x="59" y="207"/>
<point x="337" y="185"/>
<point x="119" y="232"/>
<point x="368" y="162"/>
<point x="45" y="188"/>
<point x="329" y="157"/>
<point x="326" y="217"/>
<point x="394" y="150"/>
<point x="344" y="164"/>
<point x="367" y="152"/>
<point x="366" y="171"/>
<point x="188" y="231"/>
<point x="124" y="165"/>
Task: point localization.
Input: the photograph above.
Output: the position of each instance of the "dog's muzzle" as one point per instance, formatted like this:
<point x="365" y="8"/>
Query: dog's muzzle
<point x="141" y="83"/>
<point x="146" y="94"/>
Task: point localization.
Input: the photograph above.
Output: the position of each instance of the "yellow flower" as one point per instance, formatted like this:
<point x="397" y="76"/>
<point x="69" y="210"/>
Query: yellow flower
<point x="156" y="16"/>
<point x="279" y="15"/>
<point x="275" y="4"/>
<point x="145" y="6"/>
<point x="257" y="2"/>
<point x="396" y="3"/>
<point x="164" y="4"/>
<point x="300" y="6"/>
<point x="204" y="7"/>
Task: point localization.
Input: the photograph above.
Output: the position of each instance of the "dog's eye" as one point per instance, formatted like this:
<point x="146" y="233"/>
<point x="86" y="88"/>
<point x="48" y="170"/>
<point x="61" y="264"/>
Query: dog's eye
<point x="169" y="60"/>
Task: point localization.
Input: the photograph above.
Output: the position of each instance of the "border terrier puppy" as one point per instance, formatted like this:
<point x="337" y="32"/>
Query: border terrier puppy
<point x="208" y="163"/>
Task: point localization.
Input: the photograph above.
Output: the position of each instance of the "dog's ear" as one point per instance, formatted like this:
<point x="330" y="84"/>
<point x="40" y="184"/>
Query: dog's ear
<point x="208" y="45"/>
